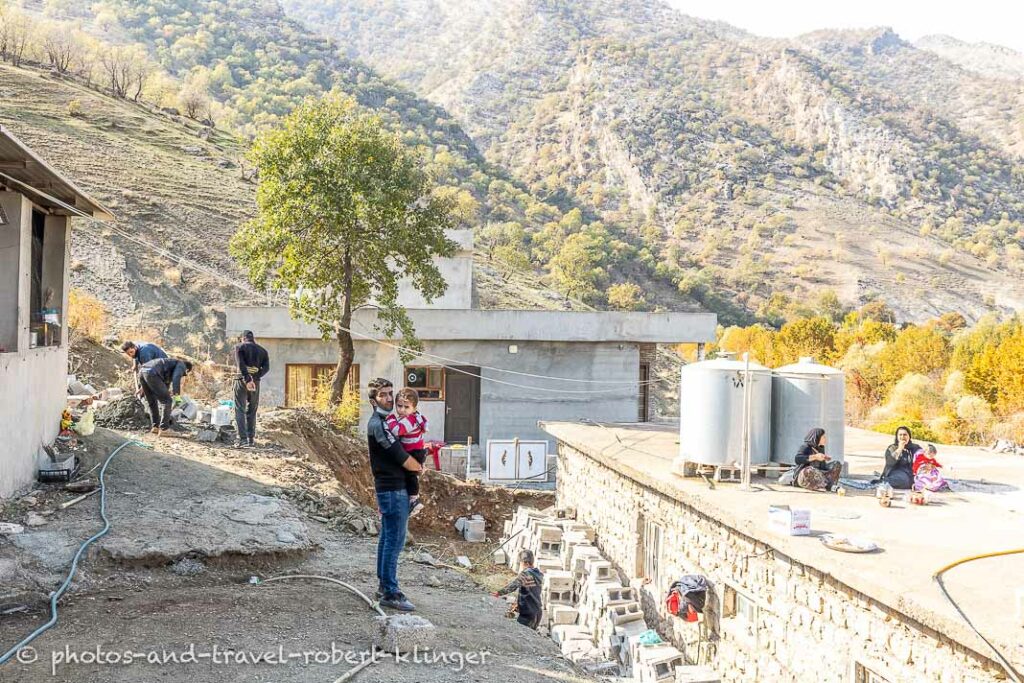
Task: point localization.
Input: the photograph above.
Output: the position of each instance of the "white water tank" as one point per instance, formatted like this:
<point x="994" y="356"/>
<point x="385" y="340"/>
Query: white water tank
<point x="711" y="412"/>
<point x="806" y="395"/>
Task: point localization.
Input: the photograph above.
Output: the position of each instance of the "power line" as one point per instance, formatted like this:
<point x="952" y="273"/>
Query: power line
<point x="248" y="290"/>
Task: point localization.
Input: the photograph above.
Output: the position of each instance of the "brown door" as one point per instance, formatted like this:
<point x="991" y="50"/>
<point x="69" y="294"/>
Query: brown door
<point x="462" y="403"/>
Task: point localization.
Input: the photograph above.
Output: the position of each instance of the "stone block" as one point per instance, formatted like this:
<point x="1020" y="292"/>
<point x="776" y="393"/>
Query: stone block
<point x="404" y="633"/>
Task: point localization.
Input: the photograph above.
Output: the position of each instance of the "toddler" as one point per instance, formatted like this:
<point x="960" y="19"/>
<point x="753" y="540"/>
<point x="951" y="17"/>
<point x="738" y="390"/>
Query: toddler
<point x="410" y="427"/>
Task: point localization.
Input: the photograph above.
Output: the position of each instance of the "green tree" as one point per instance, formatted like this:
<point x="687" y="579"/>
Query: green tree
<point x="344" y="211"/>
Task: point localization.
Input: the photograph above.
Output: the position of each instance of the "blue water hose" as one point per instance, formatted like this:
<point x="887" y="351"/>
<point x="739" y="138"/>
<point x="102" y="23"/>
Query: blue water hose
<point x="54" y="597"/>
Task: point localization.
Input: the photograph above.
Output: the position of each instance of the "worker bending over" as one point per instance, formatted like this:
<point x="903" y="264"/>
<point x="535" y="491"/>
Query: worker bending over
<point x="161" y="379"/>
<point x="141" y="353"/>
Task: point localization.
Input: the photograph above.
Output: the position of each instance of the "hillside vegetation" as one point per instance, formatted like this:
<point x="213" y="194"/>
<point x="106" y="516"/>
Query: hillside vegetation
<point x="755" y="172"/>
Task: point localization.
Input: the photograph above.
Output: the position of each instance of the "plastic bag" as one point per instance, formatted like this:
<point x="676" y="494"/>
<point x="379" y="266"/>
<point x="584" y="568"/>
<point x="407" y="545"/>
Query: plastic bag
<point x="86" y="424"/>
<point x="788" y="478"/>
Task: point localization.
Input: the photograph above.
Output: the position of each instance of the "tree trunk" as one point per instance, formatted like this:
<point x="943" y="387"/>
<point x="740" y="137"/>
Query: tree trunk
<point x="346" y="349"/>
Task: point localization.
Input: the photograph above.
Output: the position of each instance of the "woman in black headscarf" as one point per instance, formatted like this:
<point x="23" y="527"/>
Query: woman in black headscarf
<point x="899" y="460"/>
<point x="817" y="471"/>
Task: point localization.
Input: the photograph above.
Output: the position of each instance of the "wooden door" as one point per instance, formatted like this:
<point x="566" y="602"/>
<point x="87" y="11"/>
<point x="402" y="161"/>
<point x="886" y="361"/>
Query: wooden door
<point x="462" y="404"/>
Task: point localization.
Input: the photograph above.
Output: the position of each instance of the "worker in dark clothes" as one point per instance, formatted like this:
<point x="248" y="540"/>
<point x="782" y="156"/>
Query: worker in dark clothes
<point x="528" y="583"/>
<point x="141" y="353"/>
<point x="389" y="462"/>
<point x="253" y="363"/>
<point x="162" y="381"/>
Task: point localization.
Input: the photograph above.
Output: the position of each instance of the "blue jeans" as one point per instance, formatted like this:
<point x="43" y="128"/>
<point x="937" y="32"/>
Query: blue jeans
<point x="394" y="507"/>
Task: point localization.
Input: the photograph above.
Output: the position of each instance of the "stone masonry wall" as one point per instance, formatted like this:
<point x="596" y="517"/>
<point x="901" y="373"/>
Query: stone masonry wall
<point x="808" y="626"/>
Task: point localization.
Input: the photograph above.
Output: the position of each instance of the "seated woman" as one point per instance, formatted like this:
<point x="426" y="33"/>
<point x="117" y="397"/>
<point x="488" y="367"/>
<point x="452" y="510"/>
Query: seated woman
<point x="899" y="459"/>
<point x="926" y="472"/>
<point x="817" y="471"/>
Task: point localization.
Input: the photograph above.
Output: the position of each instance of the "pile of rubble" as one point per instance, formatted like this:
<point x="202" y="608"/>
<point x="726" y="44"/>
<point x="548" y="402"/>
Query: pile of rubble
<point x="597" y="620"/>
<point x="1007" y="446"/>
<point x="125" y="413"/>
<point x="334" y="511"/>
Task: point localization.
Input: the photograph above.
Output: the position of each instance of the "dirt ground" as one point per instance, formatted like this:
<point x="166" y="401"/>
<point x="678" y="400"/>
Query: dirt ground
<point x="222" y="511"/>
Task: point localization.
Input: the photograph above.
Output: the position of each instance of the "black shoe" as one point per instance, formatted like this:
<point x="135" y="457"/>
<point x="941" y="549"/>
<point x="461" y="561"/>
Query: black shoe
<point x="398" y="602"/>
<point x="417" y="508"/>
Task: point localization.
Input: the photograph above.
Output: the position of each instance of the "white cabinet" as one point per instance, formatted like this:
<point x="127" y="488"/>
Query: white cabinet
<point x="513" y="459"/>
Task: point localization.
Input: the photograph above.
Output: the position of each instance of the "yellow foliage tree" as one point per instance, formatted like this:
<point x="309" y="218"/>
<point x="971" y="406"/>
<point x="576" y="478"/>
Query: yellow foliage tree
<point x="87" y="316"/>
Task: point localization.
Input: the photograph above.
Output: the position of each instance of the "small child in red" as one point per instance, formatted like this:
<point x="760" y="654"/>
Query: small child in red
<point x="409" y="425"/>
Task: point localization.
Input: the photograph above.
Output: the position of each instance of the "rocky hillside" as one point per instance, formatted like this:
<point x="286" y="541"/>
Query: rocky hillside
<point x="756" y="172"/>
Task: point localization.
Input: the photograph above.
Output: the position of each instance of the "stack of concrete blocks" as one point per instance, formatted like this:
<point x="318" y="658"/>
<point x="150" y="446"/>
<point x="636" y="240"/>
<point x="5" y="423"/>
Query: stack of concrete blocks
<point x="656" y="663"/>
<point x="596" y="621"/>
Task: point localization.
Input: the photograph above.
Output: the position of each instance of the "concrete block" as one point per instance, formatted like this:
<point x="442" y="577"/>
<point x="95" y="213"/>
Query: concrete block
<point x="548" y="533"/>
<point x="547" y="564"/>
<point x="559" y="580"/>
<point x="563" y="615"/>
<point x="562" y="597"/>
<point x="500" y="557"/>
<point x="473" y="531"/>
<point x="566" y="632"/>
<point x="657" y="663"/>
<point x="404" y="633"/>
<point x="575" y="647"/>
<point x="615" y="595"/>
<point x="624" y="612"/>
<point x="600" y="571"/>
<point x="207" y="435"/>
<point x="550" y="549"/>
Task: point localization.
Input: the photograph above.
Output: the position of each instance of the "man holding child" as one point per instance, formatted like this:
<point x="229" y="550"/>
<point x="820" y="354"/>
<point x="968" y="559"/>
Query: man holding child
<point x="389" y="462"/>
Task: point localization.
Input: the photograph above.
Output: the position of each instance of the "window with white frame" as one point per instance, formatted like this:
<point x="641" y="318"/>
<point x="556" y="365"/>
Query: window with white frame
<point x="649" y="551"/>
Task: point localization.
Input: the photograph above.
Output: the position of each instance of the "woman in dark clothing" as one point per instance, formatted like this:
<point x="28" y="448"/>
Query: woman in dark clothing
<point x="817" y="471"/>
<point x="899" y="460"/>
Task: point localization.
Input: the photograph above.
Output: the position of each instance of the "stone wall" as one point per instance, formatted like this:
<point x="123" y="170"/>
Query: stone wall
<point x="805" y="625"/>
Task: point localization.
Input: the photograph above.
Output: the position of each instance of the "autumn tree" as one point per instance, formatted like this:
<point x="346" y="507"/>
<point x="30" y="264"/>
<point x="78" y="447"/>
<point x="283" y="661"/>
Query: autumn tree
<point x="344" y="212"/>
<point x="61" y="47"/>
<point x="625" y="296"/>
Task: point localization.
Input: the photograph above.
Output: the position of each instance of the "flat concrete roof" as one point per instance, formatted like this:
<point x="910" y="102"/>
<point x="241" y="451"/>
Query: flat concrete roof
<point x="915" y="541"/>
<point x="274" y="322"/>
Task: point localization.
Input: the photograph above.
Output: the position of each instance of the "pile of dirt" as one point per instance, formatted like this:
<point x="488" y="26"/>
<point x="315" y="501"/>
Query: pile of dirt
<point x="446" y="498"/>
<point x="98" y="365"/>
<point x="126" y="414"/>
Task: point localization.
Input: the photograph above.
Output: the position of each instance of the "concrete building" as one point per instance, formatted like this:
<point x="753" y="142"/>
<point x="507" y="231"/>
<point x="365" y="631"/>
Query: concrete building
<point x="482" y="374"/>
<point x="788" y="608"/>
<point x="36" y="204"/>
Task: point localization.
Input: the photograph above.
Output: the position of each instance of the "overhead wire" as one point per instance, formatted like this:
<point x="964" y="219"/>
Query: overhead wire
<point x="403" y="349"/>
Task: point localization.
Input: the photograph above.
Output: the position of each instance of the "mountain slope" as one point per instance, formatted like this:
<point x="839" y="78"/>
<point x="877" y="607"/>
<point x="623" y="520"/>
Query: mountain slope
<point x="760" y="170"/>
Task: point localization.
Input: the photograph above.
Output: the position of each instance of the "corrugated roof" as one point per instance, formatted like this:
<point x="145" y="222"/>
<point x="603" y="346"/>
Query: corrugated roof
<point x="23" y="171"/>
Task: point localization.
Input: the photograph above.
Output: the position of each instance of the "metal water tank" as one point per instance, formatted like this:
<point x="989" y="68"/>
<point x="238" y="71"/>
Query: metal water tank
<point x="711" y="412"/>
<point x="806" y="395"/>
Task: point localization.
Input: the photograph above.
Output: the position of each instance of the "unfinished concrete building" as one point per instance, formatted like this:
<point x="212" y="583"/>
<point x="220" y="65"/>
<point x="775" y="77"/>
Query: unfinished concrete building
<point x="36" y="205"/>
<point x="461" y="380"/>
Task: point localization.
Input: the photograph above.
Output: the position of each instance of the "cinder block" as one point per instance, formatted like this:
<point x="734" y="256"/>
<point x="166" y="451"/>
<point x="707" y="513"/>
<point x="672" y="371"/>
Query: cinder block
<point x="563" y="615"/>
<point x="566" y="632"/>
<point x="559" y="580"/>
<point x="547" y="564"/>
<point x="624" y="612"/>
<point x="657" y="663"/>
<point x="548" y="533"/>
<point x="562" y="597"/>
<point x="499" y="557"/>
<point x="404" y="633"/>
<point x="473" y="530"/>
<point x="615" y="595"/>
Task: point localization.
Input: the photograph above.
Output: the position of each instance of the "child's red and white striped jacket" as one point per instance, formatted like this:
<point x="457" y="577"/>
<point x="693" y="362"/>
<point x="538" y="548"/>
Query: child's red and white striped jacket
<point x="410" y="430"/>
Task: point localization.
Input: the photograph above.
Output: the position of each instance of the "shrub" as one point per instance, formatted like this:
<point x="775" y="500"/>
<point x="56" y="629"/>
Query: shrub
<point x="75" y="109"/>
<point x="87" y="316"/>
